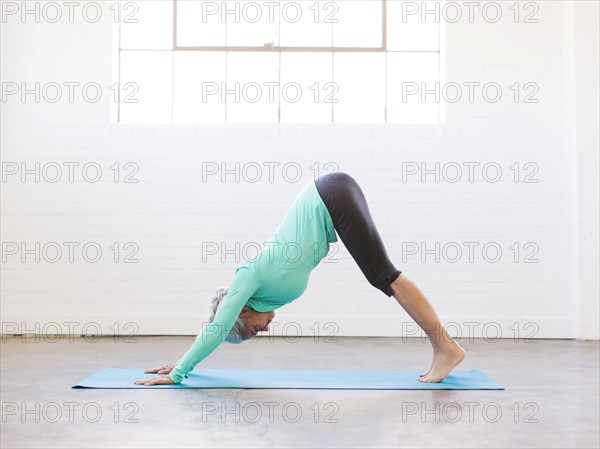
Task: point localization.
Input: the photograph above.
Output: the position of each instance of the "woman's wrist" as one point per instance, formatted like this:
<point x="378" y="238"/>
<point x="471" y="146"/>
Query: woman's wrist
<point x="175" y="377"/>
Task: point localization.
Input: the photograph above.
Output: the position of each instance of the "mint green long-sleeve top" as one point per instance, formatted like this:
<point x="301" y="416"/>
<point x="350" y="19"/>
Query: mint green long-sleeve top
<point x="276" y="276"/>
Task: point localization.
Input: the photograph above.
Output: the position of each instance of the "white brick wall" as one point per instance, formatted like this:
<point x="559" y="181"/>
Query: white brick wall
<point x="588" y="119"/>
<point x="170" y="212"/>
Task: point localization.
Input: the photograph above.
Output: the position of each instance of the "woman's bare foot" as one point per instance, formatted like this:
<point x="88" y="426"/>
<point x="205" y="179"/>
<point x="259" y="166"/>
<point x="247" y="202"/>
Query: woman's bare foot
<point x="444" y="362"/>
<point x="432" y="363"/>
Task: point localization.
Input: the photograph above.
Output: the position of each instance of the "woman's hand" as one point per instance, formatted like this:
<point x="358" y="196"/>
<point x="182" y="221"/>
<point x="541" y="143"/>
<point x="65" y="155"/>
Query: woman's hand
<point x="158" y="380"/>
<point x="162" y="370"/>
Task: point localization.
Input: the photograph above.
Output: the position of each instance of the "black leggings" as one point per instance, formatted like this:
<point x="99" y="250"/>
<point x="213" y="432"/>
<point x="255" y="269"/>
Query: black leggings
<point x="354" y="225"/>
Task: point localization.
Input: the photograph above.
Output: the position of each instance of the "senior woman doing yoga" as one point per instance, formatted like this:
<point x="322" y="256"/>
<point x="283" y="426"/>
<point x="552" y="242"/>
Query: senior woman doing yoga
<point x="332" y="203"/>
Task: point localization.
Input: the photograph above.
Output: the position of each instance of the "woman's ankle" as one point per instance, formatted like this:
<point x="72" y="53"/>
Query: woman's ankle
<point x="444" y="344"/>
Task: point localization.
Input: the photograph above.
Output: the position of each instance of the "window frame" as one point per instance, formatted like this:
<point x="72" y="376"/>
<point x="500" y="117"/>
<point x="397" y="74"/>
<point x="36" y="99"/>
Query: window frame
<point x="441" y="112"/>
<point x="283" y="49"/>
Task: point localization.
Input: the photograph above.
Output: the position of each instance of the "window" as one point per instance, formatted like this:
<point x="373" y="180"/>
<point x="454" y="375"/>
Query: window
<point x="304" y="61"/>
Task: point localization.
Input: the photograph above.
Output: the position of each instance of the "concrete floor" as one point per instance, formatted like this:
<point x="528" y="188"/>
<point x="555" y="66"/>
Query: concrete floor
<point x="551" y="398"/>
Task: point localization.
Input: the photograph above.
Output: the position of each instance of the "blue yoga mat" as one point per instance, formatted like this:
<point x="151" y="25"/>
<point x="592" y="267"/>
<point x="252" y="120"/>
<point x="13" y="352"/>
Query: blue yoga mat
<point x="295" y="379"/>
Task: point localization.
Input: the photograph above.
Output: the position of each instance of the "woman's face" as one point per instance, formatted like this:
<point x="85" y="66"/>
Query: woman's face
<point x="256" y="321"/>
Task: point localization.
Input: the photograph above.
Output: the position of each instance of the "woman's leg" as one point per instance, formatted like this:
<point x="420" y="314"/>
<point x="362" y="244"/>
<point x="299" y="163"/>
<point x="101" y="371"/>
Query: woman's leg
<point x="352" y="221"/>
<point x="447" y="353"/>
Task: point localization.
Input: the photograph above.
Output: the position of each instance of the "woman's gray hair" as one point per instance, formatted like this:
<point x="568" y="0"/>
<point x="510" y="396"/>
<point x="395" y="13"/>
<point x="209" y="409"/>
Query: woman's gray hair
<point x="237" y="331"/>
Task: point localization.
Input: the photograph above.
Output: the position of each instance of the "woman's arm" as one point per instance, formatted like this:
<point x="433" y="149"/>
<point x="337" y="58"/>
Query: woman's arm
<point x="242" y="287"/>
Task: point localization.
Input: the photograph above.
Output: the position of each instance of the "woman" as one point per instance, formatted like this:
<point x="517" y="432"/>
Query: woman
<point x="279" y="274"/>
